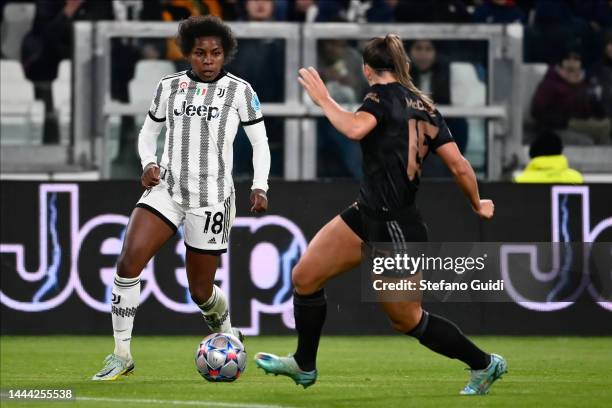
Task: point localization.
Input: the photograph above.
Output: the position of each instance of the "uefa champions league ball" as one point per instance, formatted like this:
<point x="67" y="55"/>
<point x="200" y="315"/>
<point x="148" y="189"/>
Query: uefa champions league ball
<point x="220" y="357"/>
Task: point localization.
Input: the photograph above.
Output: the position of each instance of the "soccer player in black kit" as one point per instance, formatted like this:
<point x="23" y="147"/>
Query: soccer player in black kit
<point x="396" y="126"/>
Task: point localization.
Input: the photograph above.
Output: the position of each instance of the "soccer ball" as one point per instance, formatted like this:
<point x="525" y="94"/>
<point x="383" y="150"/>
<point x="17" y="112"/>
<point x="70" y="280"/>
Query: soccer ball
<point x="220" y="357"/>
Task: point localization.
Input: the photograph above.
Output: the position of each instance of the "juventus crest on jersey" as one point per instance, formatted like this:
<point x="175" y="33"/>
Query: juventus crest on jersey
<point x="201" y="120"/>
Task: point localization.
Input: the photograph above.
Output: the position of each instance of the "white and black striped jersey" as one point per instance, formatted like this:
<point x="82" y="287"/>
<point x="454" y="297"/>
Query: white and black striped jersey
<point x="201" y="120"/>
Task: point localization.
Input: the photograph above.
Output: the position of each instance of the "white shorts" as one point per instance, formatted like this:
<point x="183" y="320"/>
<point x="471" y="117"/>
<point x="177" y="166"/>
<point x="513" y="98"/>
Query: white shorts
<point x="206" y="229"/>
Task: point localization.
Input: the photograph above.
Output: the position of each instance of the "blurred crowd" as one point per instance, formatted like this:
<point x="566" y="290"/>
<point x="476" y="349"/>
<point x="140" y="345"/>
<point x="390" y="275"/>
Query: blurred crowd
<point x="574" y="37"/>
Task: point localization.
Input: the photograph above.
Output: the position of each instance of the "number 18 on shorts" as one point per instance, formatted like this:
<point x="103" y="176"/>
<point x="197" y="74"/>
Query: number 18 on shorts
<point x="206" y="229"/>
<point x="213" y="225"/>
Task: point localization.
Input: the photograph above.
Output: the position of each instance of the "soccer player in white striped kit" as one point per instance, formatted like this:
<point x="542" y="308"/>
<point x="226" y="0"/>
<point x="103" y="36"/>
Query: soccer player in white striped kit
<point x="192" y="185"/>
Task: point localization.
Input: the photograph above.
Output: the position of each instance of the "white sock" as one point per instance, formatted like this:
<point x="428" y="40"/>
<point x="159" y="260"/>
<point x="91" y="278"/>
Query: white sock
<point x="126" y="296"/>
<point x="216" y="312"/>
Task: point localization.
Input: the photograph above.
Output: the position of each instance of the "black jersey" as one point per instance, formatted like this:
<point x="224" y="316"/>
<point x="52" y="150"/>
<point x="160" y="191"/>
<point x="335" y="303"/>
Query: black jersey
<point x="394" y="150"/>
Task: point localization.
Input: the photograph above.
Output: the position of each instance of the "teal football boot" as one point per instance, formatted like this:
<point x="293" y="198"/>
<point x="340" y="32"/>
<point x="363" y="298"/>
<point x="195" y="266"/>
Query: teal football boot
<point x="482" y="380"/>
<point x="276" y="365"/>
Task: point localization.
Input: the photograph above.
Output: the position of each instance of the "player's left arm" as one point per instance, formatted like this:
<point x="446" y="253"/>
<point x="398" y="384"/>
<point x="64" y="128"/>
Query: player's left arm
<point x="354" y="125"/>
<point x="261" y="166"/>
<point x="442" y="143"/>
<point x="251" y="119"/>
<point x="465" y="178"/>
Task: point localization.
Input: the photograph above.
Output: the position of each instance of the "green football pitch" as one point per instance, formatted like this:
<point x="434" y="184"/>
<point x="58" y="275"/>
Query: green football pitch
<point x="353" y="372"/>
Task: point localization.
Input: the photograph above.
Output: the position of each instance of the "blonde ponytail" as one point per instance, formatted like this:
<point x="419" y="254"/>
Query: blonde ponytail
<point x="401" y="67"/>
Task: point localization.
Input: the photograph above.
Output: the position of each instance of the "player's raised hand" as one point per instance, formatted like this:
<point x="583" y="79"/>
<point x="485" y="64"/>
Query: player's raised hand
<point x="486" y="209"/>
<point x="313" y="84"/>
<point x="259" y="201"/>
<point x="150" y="176"/>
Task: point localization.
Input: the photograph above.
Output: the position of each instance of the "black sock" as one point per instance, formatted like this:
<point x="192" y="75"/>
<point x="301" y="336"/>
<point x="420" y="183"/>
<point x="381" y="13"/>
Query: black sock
<point x="309" y="312"/>
<point x="444" y="337"/>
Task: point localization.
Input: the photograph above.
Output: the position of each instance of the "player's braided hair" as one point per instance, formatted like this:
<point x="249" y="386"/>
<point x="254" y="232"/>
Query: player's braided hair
<point x="388" y="54"/>
<point x="206" y="26"/>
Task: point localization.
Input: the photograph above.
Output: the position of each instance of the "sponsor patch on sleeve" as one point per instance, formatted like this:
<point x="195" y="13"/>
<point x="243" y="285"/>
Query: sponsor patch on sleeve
<point x="255" y="102"/>
<point x="373" y="96"/>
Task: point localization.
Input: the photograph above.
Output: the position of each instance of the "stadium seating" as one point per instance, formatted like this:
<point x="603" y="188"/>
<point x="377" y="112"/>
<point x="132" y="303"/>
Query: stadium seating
<point x="468" y="90"/>
<point x="532" y="75"/>
<point x="18" y="18"/>
<point x="61" y="89"/>
<point x="143" y="86"/>
<point x="588" y="159"/>
<point x="22" y="116"/>
<point x="146" y="76"/>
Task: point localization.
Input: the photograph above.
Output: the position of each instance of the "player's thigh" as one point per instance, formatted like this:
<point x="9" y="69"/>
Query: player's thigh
<point x="146" y="233"/>
<point x="154" y="220"/>
<point x="404" y="316"/>
<point x="334" y="249"/>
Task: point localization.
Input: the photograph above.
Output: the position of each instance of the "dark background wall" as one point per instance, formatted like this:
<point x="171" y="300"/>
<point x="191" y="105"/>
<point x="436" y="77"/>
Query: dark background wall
<point x="523" y="214"/>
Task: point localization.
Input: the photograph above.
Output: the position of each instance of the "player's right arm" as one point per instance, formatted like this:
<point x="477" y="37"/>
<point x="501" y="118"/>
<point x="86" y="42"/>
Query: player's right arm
<point x="147" y="138"/>
<point x="465" y="177"/>
<point x="353" y="125"/>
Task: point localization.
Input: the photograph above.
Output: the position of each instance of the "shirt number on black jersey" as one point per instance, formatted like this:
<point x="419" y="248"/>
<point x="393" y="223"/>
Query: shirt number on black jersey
<point x="217" y="222"/>
<point x="418" y="130"/>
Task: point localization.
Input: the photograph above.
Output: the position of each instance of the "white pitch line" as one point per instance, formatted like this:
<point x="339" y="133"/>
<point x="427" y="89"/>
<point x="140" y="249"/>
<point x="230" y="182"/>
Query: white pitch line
<point x="206" y="403"/>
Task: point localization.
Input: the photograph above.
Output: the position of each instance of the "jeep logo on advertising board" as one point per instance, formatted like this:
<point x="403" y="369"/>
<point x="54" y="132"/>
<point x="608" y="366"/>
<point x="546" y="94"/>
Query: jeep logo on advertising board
<point x="78" y="256"/>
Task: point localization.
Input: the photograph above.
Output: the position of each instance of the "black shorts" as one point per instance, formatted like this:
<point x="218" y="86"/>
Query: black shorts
<point x="403" y="225"/>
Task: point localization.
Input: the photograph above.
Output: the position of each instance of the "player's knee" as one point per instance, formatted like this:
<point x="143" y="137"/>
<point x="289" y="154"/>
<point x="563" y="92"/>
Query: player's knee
<point x="407" y="321"/>
<point x="304" y="282"/>
<point x="200" y="293"/>
<point x="126" y="267"/>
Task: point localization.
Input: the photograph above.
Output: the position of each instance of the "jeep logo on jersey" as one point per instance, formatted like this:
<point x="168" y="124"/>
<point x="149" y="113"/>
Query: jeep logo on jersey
<point x="210" y="112"/>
